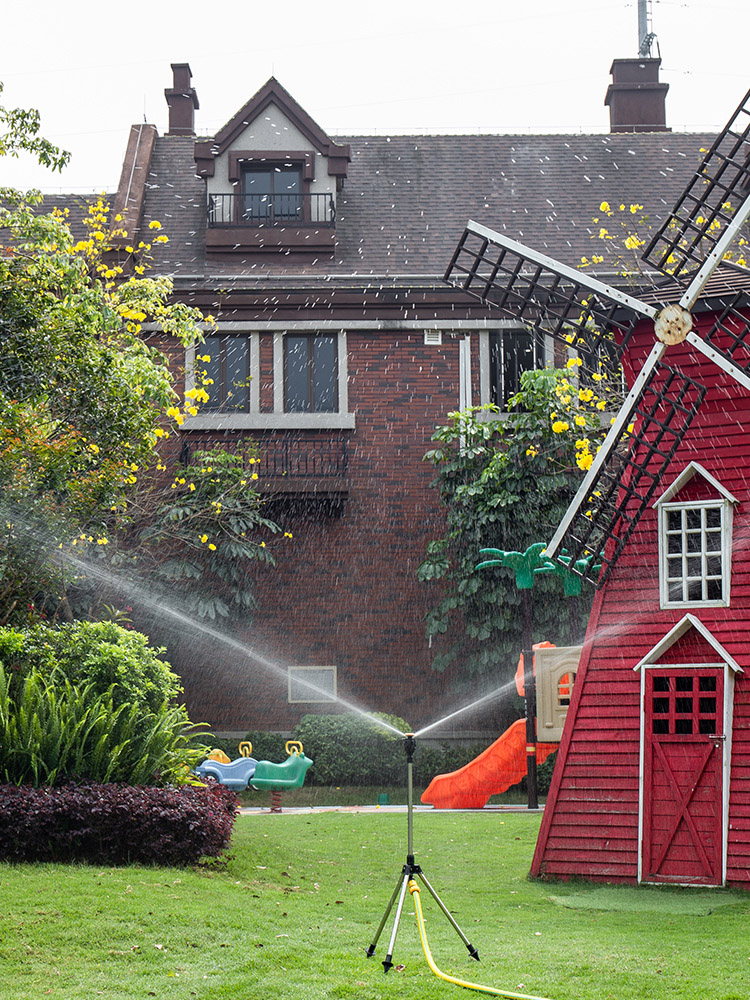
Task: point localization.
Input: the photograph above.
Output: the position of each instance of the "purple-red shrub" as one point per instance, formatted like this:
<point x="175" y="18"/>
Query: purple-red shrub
<point x="115" y="824"/>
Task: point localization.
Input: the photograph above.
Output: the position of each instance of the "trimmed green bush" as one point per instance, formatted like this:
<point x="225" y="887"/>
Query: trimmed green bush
<point x="102" y="654"/>
<point x="349" y="749"/>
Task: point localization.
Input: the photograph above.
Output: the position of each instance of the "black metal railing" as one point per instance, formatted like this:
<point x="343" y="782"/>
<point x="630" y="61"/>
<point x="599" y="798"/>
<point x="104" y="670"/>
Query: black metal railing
<point x="270" y="209"/>
<point x="279" y="456"/>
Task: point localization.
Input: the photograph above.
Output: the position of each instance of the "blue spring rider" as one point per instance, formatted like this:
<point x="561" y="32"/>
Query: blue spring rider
<point x="259" y="774"/>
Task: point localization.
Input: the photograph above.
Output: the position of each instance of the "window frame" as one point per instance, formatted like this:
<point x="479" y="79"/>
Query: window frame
<point x="221" y="407"/>
<point x="277" y="418"/>
<point x="314" y="698"/>
<point x="310" y="337"/>
<point x="725" y="509"/>
<point x="543" y="355"/>
<point x="273" y="169"/>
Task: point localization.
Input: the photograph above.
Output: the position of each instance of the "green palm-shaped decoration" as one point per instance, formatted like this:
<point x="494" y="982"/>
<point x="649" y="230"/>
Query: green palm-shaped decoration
<point x="523" y="564"/>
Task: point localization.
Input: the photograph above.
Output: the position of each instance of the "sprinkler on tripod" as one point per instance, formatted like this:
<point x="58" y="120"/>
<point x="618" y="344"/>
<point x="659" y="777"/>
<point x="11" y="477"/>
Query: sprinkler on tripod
<point x="409" y="872"/>
<point x="407" y="879"/>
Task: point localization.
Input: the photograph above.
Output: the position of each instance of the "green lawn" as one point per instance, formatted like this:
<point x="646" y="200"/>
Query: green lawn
<point x="292" y="913"/>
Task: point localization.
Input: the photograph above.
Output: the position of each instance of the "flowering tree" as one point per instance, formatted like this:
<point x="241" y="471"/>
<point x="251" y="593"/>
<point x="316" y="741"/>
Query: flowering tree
<point x="506" y="482"/>
<point x="85" y="406"/>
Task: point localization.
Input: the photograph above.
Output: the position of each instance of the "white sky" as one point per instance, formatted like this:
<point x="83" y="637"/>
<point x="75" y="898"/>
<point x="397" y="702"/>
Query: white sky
<point x="390" y="66"/>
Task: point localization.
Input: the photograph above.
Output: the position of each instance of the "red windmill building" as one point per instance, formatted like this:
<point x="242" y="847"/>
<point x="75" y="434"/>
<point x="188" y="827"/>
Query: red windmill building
<point x="652" y="781"/>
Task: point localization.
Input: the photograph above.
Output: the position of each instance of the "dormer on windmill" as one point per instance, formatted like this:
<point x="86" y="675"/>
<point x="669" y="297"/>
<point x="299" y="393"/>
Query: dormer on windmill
<point x="272" y="176"/>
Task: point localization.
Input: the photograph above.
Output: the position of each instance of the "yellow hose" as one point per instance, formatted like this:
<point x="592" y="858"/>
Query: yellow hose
<point x="414" y="890"/>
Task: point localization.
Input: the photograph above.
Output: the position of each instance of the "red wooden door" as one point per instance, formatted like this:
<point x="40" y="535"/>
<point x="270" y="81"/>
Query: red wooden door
<point x="683" y="775"/>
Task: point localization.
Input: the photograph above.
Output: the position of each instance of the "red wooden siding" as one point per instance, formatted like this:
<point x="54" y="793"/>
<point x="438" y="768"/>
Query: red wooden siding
<point x="590" y="826"/>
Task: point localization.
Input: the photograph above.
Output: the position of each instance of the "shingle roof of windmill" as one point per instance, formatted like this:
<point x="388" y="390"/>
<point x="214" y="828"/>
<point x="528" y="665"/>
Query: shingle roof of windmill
<point x="408" y="198"/>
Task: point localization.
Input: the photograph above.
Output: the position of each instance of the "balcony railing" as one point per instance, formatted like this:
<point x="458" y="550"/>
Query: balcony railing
<point x="270" y="209"/>
<point x="280" y="456"/>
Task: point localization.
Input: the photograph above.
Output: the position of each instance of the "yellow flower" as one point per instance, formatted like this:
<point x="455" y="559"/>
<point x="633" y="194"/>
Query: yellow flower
<point x="559" y="426"/>
<point x="583" y="461"/>
<point x="212" y="546"/>
<point x="580" y="420"/>
<point x="154" y="224"/>
<point x="604" y="207"/>
<point x="254" y="475"/>
<point x="204" y="538"/>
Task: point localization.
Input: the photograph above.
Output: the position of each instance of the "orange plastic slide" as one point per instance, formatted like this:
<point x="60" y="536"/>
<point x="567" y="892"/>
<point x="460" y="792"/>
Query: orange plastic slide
<point x="498" y="767"/>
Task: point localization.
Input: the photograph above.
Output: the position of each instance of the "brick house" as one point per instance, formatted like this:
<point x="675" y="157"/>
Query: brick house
<point x="339" y="349"/>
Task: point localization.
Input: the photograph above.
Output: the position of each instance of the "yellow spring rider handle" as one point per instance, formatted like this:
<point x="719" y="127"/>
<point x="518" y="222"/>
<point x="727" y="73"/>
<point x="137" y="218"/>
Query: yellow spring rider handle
<point x="293" y="747"/>
<point x="414" y="890"/>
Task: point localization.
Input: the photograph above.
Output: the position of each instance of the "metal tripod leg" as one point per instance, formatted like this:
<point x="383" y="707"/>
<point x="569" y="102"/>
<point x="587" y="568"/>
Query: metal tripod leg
<point x="387" y="963"/>
<point x="381" y="925"/>
<point x="472" y="950"/>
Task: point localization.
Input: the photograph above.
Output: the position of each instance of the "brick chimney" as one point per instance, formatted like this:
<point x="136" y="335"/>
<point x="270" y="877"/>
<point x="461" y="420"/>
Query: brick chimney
<point x="182" y="100"/>
<point x="636" y="99"/>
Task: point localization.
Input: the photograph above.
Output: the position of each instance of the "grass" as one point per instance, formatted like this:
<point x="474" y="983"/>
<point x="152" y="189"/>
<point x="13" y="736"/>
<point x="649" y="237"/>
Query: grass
<point x="292" y="912"/>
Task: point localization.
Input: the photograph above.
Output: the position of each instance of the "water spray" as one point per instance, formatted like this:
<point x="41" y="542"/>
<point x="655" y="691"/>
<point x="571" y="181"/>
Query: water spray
<point x="407" y="879"/>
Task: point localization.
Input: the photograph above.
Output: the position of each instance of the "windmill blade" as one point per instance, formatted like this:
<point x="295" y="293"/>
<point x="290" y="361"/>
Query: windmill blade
<point x="578" y="310"/>
<point x="714" y="257"/>
<point x="708" y="205"/>
<point x="625" y="474"/>
<point x="727" y="343"/>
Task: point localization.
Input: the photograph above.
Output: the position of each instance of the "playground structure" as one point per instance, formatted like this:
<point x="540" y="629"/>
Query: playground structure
<point x="259" y="774"/>
<point x="504" y="762"/>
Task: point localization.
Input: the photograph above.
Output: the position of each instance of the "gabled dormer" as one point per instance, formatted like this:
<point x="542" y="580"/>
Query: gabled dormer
<point x="272" y="177"/>
<point x="695" y="517"/>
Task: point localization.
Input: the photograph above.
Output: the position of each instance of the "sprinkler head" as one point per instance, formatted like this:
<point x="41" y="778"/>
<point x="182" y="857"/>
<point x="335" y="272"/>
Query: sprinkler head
<point x="410" y="745"/>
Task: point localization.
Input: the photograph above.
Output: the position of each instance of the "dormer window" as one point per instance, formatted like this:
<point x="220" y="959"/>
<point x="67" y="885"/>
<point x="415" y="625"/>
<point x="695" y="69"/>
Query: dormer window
<point x="272" y="177"/>
<point x="271" y="194"/>
<point x="695" y="541"/>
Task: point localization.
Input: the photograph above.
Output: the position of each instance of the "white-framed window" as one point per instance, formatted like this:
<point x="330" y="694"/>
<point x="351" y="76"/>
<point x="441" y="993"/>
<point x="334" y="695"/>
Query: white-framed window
<point x="310" y="379"/>
<point x="695" y="553"/>
<point x="312" y="684"/>
<point x="504" y="354"/>
<point x="695" y="541"/>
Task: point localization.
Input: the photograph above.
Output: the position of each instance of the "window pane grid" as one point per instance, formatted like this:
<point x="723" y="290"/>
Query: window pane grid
<point x="694" y="561"/>
<point x="685" y="705"/>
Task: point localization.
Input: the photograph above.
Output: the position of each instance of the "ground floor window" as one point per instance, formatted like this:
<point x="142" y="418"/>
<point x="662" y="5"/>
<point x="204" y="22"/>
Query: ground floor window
<point x="512" y="352"/>
<point x="310" y="373"/>
<point x="312" y="684"/>
<point x="223" y="365"/>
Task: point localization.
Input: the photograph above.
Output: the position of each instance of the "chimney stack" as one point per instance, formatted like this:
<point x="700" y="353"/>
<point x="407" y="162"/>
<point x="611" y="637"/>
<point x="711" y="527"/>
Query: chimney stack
<point x="182" y="100"/>
<point x="636" y="99"/>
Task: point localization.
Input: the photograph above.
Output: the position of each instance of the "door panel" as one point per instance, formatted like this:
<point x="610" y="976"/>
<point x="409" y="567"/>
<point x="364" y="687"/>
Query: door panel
<point x="683" y="775"/>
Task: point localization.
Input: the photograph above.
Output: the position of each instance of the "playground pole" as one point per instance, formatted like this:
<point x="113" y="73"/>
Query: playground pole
<point x="529" y="691"/>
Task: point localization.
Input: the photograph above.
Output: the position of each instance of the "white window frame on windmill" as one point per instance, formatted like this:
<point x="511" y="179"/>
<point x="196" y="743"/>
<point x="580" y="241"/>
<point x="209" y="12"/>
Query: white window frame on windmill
<point x="695" y="545"/>
<point x="496" y="382"/>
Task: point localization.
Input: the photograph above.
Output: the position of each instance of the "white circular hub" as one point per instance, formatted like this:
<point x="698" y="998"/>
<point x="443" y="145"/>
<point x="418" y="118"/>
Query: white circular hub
<point x="673" y="324"/>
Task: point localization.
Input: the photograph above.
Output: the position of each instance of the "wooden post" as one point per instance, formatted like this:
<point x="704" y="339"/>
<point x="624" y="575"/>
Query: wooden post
<point x="529" y="687"/>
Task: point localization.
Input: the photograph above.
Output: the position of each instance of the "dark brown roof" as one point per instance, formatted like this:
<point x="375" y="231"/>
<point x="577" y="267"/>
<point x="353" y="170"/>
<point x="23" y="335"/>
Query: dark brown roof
<point x="407" y="199"/>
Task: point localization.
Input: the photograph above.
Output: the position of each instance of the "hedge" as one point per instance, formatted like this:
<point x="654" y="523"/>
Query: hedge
<point x="115" y="824"/>
<point x="349" y="749"/>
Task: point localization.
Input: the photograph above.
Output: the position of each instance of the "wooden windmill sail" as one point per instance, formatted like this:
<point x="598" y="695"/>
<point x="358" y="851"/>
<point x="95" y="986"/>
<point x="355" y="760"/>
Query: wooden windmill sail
<point x="598" y="321"/>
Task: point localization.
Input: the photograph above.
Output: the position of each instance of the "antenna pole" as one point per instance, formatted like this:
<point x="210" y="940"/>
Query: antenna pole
<point x="645" y="34"/>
